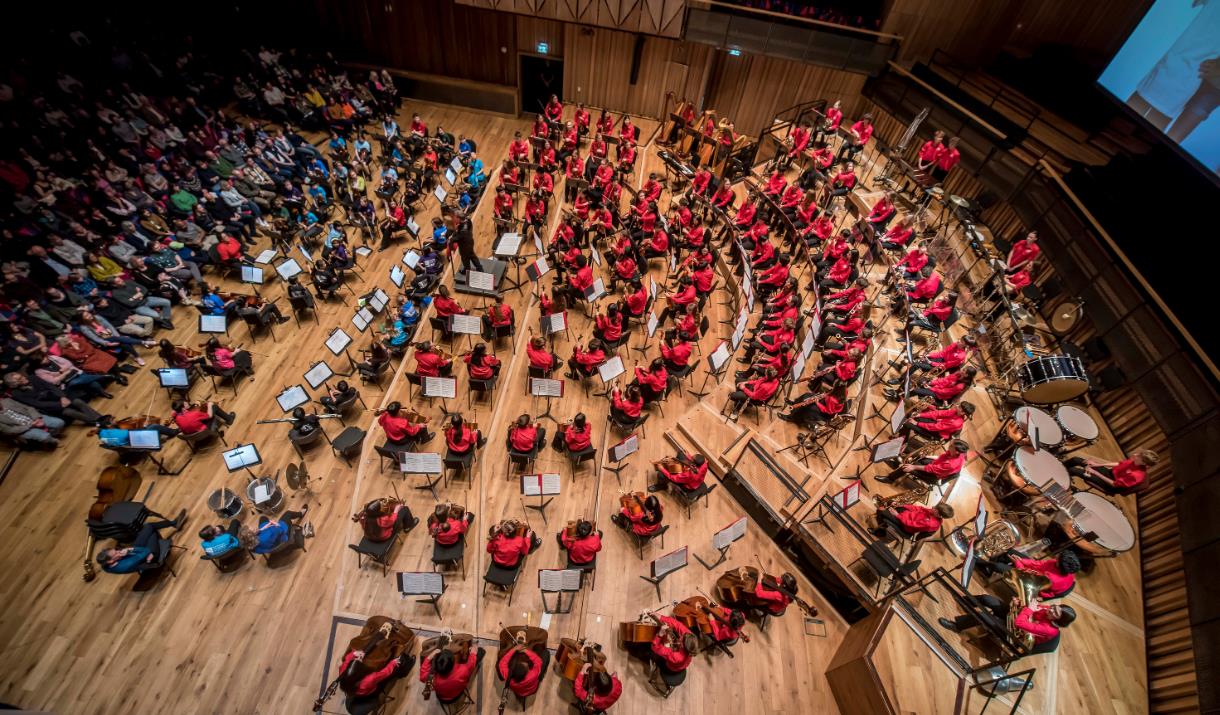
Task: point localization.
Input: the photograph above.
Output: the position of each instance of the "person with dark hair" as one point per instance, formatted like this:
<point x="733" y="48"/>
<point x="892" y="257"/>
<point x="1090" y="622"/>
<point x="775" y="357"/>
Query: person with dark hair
<point x="1044" y="623"/>
<point x="940" y="425"/>
<point x="142" y="554"/>
<point x="653" y="382"/>
<point x="382" y="518"/>
<point x="338" y="393"/>
<point x="642" y="521"/>
<point x="759" y="389"/>
<point x="449" y="677"/>
<point x="303" y="424"/>
<point x="580" y="541"/>
<point x="525" y="436"/>
<point x="193" y="418"/>
<point x="479" y="364"/>
<point x="1059" y="572"/>
<point x="626" y="406"/>
<point x="509" y="544"/>
<point x="584" y="362"/>
<point x="460" y="439"/>
<point x="575" y="437"/>
<point x="912" y="520"/>
<point x="931" y="470"/>
<point x="446" y="527"/>
<point x="606" y="688"/>
<point x="674" y="646"/>
<point x="429" y="362"/>
<point x="944" y="389"/>
<point x="776" y="600"/>
<point x="689" y="474"/>
<point x="522" y="669"/>
<point x="217" y="541"/>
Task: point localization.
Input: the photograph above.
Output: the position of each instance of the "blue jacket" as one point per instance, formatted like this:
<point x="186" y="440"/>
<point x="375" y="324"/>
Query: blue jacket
<point x="129" y="563"/>
<point x="221" y="544"/>
<point x="270" y="535"/>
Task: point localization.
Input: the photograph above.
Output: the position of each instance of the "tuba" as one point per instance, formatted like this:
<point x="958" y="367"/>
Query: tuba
<point x="998" y="537"/>
<point x="1027" y="587"/>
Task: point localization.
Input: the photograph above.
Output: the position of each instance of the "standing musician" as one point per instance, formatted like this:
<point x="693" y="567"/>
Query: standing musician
<point x="948" y="159"/>
<point x="930" y="151"/>
<point x="509" y="543"/>
<point x="686" y="471"/>
<point x="400" y="430"/>
<point x="1022" y="253"/>
<point x="382" y="518"/>
<point x="1042" y="622"/>
<point x="642" y="517"/>
<point x="447" y="524"/>
<point x="580" y="541"/>
<point x="597" y="690"/>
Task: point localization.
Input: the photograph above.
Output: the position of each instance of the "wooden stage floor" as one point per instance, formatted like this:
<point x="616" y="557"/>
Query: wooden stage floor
<point x="256" y="641"/>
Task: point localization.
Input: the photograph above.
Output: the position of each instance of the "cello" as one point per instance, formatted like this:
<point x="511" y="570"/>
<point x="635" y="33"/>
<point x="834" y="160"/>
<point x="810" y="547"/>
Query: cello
<point x="693" y="613"/>
<point x="457" y="643"/>
<point x="381" y="640"/>
<point x="519" y="638"/>
<point x="572" y="656"/>
<point x="116" y="483"/>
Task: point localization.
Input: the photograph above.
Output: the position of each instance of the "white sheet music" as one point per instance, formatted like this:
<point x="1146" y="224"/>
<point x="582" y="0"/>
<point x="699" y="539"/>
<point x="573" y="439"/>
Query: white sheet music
<point x="440" y="193"/>
<point x="798" y="367"/>
<point x="317" y="375"/>
<point x="815" y="326"/>
<point x="652" y="287"/>
<point x="669" y="562"/>
<point x="480" y="281"/>
<point x="213" y="324"/>
<point x="537" y="269"/>
<point x="251" y="274"/>
<point x="611" y="369"/>
<point x="378" y="300"/>
<point x="144" y="439"/>
<point x="338" y="341"/>
<point x="289" y="268"/>
<point x="538" y="245"/>
<point x="553" y="580"/>
<point x="173" y="377"/>
<point x="450" y="177"/>
<point x="546" y="387"/>
<point x="848" y="497"/>
<point x="625" y="449"/>
<point x="889" y="449"/>
<point x="364" y="251"/>
<point x="554" y="323"/>
<point x="245" y="455"/>
<point x="397" y="275"/>
<point x="810" y="341"/>
<point x="595" y="291"/>
<point x="739" y="332"/>
<point x="730" y="533"/>
<point x="261" y="493"/>
<point x="597" y="257"/>
<point x="410" y="259"/>
<point x="547" y="485"/>
<point x="509" y="244"/>
<point x="361" y="319"/>
<point x="420" y="463"/>
<point x="305" y="253"/>
<point x="421" y="583"/>
<point x="266" y="256"/>
<point x="467" y="324"/>
<point x="440" y="387"/>
<point x="719" y="356"/>
<point x="899" y="415"/>
<point x="291" y="398"/>
<point x="412" y="225"/>
<point x="652" y="323"/>
<point x="456" y="164"/>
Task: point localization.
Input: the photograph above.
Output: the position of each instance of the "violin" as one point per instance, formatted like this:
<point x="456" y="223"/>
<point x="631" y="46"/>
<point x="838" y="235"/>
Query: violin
<point x="243" y="299"/>
<point x="495" y="529"/>
<point x="633" y="503"/>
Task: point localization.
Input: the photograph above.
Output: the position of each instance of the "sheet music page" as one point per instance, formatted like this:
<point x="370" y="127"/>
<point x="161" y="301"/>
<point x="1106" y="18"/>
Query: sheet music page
<point x="318" y="375"/>
<point x="467" y="324"/>
<point x="551" y="484"/>
<point x="480" y="281"/>
<point x="266" y="256"/>
<point x="890" y="449"/>
<point x="338" y="341"/>
<point x="899" y="415"/>
<point x="421" y="583"/>
<point x="729" y="534"/>
<point x="288" y="268"/>
<point x="669" y="562"/>
<point x="420" y="463"/>
<point x="719" y="356"/>
<point x="546" y="387"/>
<point x="440" y="387"/>
<point x="509" y="244"/>
<point x="611" y="368"/>
<point x="291" y="398"/>
<point x="531" y="485"/>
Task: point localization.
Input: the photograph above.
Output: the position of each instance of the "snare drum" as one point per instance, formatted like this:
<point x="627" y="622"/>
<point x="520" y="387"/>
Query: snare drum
<point x="272" y="500"/>
<point x="225" y="502"/>
<point x="1101" y="517"/>
<point x="1027" y="419"/>
<point x="1028" y="470"/>
<point x="1078" y="425"/>
<point x="1052" y="378"/>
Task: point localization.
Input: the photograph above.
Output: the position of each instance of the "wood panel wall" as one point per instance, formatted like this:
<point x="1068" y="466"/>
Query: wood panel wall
<point x="651" y="17"/>
<point x="1094" y="29"/>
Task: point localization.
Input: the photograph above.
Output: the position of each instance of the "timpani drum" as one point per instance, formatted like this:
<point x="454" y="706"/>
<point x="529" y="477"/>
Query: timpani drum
<point x="1101" y="517"/>
<point x="1029" y="471"/>
<point x="1051" y="379"/>
<point x="1029" y="419"/>
<point x="1078" y="426"/>
<point x="225" y="502"/>
<point x="272" y="496"/>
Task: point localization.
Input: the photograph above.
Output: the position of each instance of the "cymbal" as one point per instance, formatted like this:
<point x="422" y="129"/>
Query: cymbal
<point x="959" y="201"/>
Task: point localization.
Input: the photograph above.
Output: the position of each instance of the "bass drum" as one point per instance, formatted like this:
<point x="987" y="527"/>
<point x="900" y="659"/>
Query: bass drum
<point x="1052" y="379"/>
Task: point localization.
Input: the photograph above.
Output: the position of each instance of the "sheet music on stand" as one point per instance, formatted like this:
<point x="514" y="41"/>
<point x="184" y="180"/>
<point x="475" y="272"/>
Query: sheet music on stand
<point x="420" y="463"/>
<point x="397" y="276"/>
<point x="338" y="341"/>
<point x="541" y="485"/>
<point x="479" y="280"/>
<point x="900" y="413"/>
<point x="361" y="319"/>
<point x="440" y="193"/>
<point x="289" y="268"/>
<point x="378" y="300"/>
<point x="412" y="226"/>
<point x="144" y="439"/>
<point x="444" y="387"/>
<point x="421" y="583"/>
<point x="292" y="398"/>
<point x="450" y="177"/>
<point x="721" y="539"/>
<point x="305" y="253"/>
<point x="611" y="369"/>
<point x="265" y="257"/>
<point x="815" y="325"/>
<point x="363" y="251"/>
<point x="669" y="563"/>
<point x="456" y="164"/>
<point x="546" y="387"/>
<point x="624" y="449"/>
<point x="318" y="374"/>
<point x="652" y="323"/>
<point x="559" y="580"/>
<point x="537" y="269"/>
<point x="718" y="357"/>
<point x="798" y="367"/>
<point x="553" y="323"/>
<point x="251" y="274"/>
<point x="890" y="449"/>
<point x="508" y="245"/>
<point x="847" y="497"/>
<point x="597" y="256"/>
<point x="466" y="324"/>
<point x="213" y="324"/>
<point x="410" y="259"/>
<point x="595" y="291"/>
<point x="652" y="287"/>
<point x="172" y="377"/>
<point x="809" y="343"/>
<point x="241" y="457"/>
<point x="739" y="332"/>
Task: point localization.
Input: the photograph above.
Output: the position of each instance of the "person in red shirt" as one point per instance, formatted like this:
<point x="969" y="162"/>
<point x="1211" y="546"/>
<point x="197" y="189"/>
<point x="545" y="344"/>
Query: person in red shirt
<point x="519" y="149"/>
<point x="812" y="409"/>
<point x="799" y="134"/>
<point x="834" y="117"/>
<point x="927" y="287"/>
<point x="444" y="305"/>
<point x="418" y="127"/>
<point x="581" y="279"/>
<point x="771" y="341"/>
<point x="653" y="382"/>
<point x="674" y="646"/>
<point x="1023" y="253"/>
<point x="1059" y="572"/>
<point x="676" y="352"/>
<point x="429" y="362"/>
<point x="635" y="303"/>
<point x="947" y="358"/>
<point x="689" y="475"/>
<point x="192" y="420"/>
<point x="449" y="676"/>
<point x="382" y="518"/>
<point x="912" y="519"/>
<point x="625" y="407"/>
<point x="509" y="544"/>
<point x="627" y="132"/>
<point x="776" y="600"/>
<point x="724" y="197"/>
<point x="703" y="179"/>
<point x="643" y="519"/>
<point x="480" y="365"/>
<point x="504" y="204"/>
<point x="776" y="184"/>
<point x="554" y="109"/>
<point x="359" y="681"/>
<point x="1042" y="622"/>
<point x="583" y="363"/>
<point x="948" y="159"/>
<point x="446" y="527"/>
<point x="857" y="137"/>
<point x="522" y="669"/>
<point x="608" y="327"/>
<point x="606" y="688"/>
<point x="758" y="390"/>
<point x="931" y="151"/>
<point x="577" y="437"/>
<point x="510" y="175"/>
<point x="399" y="430"/>
<point x="539" y="356"/>
<point x="544" y="184"/>
<point x="937" y="425"/>
<point x="582" y="119"/>
<point x="525" y="436"/>
<point x="882" y="212"/>
<point x="913" y="262"/>
<point x="1120" y="477"/>
<point x="499" y="315"/>
<point x="842" y="182"/>
<point x="581" y="542"/>
<point x="931" y="470"/>
<point x="460" y="439"/>
<point x="945" y="388"/>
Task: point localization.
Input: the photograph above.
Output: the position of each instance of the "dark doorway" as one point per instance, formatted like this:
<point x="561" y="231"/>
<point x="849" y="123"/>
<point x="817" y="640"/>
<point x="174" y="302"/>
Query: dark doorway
<point x="540" y="78"/>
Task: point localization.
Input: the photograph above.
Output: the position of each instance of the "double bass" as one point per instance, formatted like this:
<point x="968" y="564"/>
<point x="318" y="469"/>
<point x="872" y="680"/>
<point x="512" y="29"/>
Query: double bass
<point x="114" y="484"/>
<point x="382" y="639"/>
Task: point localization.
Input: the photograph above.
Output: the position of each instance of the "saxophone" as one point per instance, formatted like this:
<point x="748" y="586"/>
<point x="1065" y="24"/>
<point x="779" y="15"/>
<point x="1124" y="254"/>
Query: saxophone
<point x="917" y="493"/>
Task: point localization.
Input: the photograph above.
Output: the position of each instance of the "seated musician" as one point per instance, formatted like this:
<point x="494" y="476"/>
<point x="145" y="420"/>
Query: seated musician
<point x="775" y="601"/>
<point x="644" y="521"/>
<point x="382" y="518"/>
<point x="498" y="316"/>
<point x="605" y="688"/>
<point x="429" y="362"/>
<point x="700" y="183"/>
<point x="936" y="316"/>
<point x="324" y="280"/>
<point x="912" y="520"/>
<point x="503" y="205"/>
<point x="841" y="374"/>
<point x="225" y="358"/>
<point x="819" y="231"/>
<point x="479" y="364"/>
<point x="858" y="136"/>
<point x="759" y="390"/>
<point x="303" y="424"/>
<point x="676" y="352"/>
<point x="840" y="303"/>
<point x="927" y="287"/>
<point x="447" y="529"/>
<point x="216" y="541"/>
<point x="539" y="356"/>
<point x="524" y="436"/>
<point x="179" y="357"/>
<point x="745" y="215"/>
<point x="400" y="431"/>
<point x="444" y="305"/>
<point x="509" y="544"/>
<point x="727" y="624"/>
<point x="375" y="356"/>
<point x="1042" y="622"/>
<point x="724" y="197"/>
<point x="584" y="362"/>
<point x="940" y="424"/>
<point x="575" y="437"/>
<point x="813" y="408"/>
<point x="608" y="327"/>
<point x="359" y="681"/>
<point x="944" y="389"/>
<point x="847" y="327"/>
<point x="1120" y="477"/>
<point x="882" y="212"/>
<point x="264" y="313"/>
<point x="781" y="362"/>
<point x="933" y="470"/>
<point x="460" y="439"/>
<point x="195" y="418"/>
<point x="776" y="184"/>
<point x="518" y="149"/>
<point x="449" y="677"/>
<point x="683" y="295"/>
<point x="653" y="382"/>
<point x="626" y="406"/>
<point x="337" y="394"/>
<point x="841" y="183"/>
<point x="674" y="646"/>
<point x="582" y="544"/>
<point x="213" y="304"/>
<point x="522" y="669"/>
<point x="837" y="349"/>
<point x="913" y="262"/>
<point x="581" y="278"/>
<point x="949" y="357"/>
<point x="689" y="474"/>
<point x="143" y="552"/>
<point x="771" y="341"/>
<point x="1060" y="572"/>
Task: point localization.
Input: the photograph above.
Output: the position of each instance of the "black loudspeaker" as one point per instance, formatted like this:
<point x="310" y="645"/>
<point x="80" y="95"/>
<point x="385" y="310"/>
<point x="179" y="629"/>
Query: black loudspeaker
<point x="635" y="58"/>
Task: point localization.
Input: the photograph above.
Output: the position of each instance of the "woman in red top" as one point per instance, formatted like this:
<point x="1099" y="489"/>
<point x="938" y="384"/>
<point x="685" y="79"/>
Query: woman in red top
<point x="449" y="677"/>
<point x="504" y="204"/>
<point x="539" y="356"/>
<point x="460" y="439"/>
<point x="1059" y="572"/>
<point x="576" y="437"/>
<point x="1042" y="622"/>
<point x="938" y="425"/>
<point x="948" y="159"/>
<point x="652" y="382"/>
<point x="626" y="407"/>
<point x="834" y="117"/>
<point x="776" y="600"/>
<point x="446" y="528"/>
<point x="690" y="477"/>
<point x="606" y="688"/>
<point x="674" y="646"/>
<point x="1114" y="477"/>
<point x="479" y="364"/>
<point x="843" y="181"/>
<point x="943" y="389"/>
<point x="429" y="362"/>
<point x="444" y="305"/>
<point x="508" y="548"/>
<point x="931" y="151"/>
<point x="525" y="436"/>
<point x="554" y="109"/>
<point x="913" y="520"/>
<point x="582" y="544"/>
<point x="883" y="211"/>
<point x="609" y="327"/>
<point x="583" y="363"/>
<point x="931" y="470"/>
<point x="758" y="390"/>
<point x="401" y="431"/>
<point x="644" y="521"/>
<point x="676" y="352"/>
<point x="724" y="197"/>
<point x="522" y="669"/>
<point x="382" y="518"/>
<point x="498" y="316"/>
<point x="359" y="681"/>
<point x="193" y="421"/>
